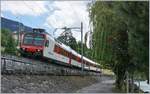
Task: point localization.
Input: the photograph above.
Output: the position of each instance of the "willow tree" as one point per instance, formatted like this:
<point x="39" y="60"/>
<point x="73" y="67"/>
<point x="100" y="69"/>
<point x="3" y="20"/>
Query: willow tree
<point x="110" y="39"/>
<point x="136" y="16"/>
<point x="120" y="37"/>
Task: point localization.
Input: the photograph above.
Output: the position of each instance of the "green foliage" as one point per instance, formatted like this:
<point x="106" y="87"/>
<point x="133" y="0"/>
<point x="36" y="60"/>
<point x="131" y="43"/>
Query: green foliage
<point x="8" y="42"/>
<point x="68" y="40"/>
<point x="136" y="15"/>
<point x="71" y="41"/>
<point x="120" y="37"/>
<point x="86" y="51"/>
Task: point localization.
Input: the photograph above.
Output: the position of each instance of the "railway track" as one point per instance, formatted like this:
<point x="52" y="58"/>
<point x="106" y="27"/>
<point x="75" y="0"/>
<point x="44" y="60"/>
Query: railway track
<point x="20" y="65"/>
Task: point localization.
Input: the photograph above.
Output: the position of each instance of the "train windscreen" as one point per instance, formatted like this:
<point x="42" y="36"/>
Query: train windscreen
<point x="39" y="40"/>
<point x="34" y="39"/>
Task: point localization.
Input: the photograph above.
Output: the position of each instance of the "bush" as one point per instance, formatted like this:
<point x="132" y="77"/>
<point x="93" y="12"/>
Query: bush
<point x="7" y="42"/>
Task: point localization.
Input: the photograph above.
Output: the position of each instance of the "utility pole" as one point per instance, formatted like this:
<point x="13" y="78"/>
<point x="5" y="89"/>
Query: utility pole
<point x="81" y="28"/>
<point x="82" y="65"/>
<point x="18" y="41"/>
<point x="19" y="35"/>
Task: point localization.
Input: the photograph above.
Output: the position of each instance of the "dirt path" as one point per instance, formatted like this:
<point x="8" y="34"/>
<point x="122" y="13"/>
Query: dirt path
<point x="105" y="85"/>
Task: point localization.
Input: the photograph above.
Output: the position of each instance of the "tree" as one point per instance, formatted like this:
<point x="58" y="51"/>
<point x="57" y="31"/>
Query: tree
<point x="8" y="42"/>
<point x="68" y="40"/>
<point x="136" y="16"/>
<point x="110" y="39"/>
<point x="120" y="37"/>
<point x="86" y="52"/>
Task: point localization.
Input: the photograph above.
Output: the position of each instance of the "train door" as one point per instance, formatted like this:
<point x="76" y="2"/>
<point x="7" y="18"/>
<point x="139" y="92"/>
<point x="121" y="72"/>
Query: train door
<point x="48" y="48"/>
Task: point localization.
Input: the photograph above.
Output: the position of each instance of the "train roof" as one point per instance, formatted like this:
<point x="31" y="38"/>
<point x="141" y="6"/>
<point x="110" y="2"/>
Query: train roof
<point x="85" y="58"/>
<point x="65" y="47"/>
<point x="75" y="53"/>
<point x="50" y="37"/>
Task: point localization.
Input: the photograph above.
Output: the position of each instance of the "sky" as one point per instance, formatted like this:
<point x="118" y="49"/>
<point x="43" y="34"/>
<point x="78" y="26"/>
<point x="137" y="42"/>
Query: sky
<point x="49" y="14"/>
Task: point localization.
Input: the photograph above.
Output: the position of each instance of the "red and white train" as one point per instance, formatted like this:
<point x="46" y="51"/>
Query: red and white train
<point x="42" y="44"/>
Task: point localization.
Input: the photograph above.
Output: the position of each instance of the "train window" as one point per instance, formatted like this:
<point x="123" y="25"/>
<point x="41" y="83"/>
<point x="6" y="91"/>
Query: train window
<point x="61" y="51"/>
<point x="83" y="61"/>
<point x="78" y="58"/>
<point x="57" y="49"/>
<point x="66" y="53"/>
<point x="28" y="38"/>
<point x="47" y="43"/>
<point x="38" y="40"/>
<point x="74" y="57"/>
<point x="39" y="36"/>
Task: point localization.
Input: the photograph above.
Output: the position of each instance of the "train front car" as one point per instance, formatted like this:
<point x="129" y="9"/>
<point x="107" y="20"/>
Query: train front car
<point x="33" y="44"/>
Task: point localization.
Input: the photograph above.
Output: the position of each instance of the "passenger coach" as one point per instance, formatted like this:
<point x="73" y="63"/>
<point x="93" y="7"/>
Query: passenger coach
<point x="39" y="43"/>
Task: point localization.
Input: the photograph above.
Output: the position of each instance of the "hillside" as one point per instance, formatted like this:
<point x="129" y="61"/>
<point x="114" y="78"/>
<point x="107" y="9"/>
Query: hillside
<point x="13" y="25"/>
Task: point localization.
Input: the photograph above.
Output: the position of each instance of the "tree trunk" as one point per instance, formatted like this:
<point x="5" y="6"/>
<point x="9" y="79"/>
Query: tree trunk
<point x="120" y="74"/>
<point x="147" y="79"/>
<point x="119" y="83"/>
<point x="132" y="83"/>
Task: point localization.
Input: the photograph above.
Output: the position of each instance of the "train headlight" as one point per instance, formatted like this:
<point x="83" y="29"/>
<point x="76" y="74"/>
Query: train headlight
<point x="23" y="48"/>
<point x="38" y="50"/>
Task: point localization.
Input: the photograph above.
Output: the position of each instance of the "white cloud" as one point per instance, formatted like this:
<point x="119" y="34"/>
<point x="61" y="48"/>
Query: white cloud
<point x="70" y="14"/>
<point x="33" y="8"/>
<point x="60" y="13"/>
<point x="2" y="15"/>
